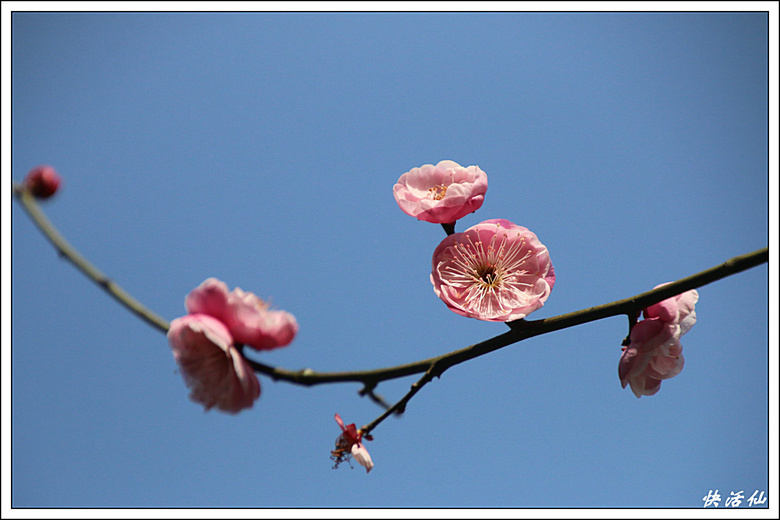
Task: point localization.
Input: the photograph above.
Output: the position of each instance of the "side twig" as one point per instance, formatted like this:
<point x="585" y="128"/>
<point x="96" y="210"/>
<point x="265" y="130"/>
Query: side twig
<point x="400" y="406"/>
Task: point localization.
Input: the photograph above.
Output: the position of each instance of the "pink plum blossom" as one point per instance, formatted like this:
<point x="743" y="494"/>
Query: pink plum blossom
<point x="207" y="343"/>
<point x="247" y="317"/>
<point x="213" y="369"/>
<point x="42" y="181"/>
<point x="441" y="194"/>
<point x="349" y="443"/>
<point x="654" y="352"/>
<point x="494" y="271"/>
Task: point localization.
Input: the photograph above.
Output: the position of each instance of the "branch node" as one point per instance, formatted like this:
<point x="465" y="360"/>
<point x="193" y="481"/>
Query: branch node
<point x="367" y="389"/>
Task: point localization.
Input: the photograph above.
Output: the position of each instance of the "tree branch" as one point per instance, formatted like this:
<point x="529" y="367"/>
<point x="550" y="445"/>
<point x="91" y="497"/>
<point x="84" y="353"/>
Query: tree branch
<point x="93" y="273"/>
<point x="519" y="329"/>
<point x="524" y="329"/>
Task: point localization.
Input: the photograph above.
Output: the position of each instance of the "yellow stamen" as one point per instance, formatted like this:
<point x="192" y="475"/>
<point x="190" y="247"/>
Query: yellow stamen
<point x="437" y="192"/>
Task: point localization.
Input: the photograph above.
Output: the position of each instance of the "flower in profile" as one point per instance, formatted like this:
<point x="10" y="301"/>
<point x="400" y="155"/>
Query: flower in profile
<point x="349" y="443"/>
<point x="654" y="352"/>
<point x="247" y="317"/>
<point x="207" y="343"/>
<point x="42" y="181"/>
<point x="213" y="369"/>
<point x="441" y="194"/>
<point x="494" y="271"/>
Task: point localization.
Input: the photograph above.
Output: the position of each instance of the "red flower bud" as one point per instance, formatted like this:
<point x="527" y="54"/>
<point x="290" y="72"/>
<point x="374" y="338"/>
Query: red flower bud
<point x="42" y="181"/>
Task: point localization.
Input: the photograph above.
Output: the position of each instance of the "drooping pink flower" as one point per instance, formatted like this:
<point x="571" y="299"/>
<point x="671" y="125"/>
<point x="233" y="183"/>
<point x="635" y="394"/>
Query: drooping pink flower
<point x="247" y="317"/>
<point x="349" y="443"/>
<point x="441" y="194"/>
<point x="42" y="181"/>
<point x="654" y="352"/>
<point x="213" y="369"/>
<point x="494" y="271"/>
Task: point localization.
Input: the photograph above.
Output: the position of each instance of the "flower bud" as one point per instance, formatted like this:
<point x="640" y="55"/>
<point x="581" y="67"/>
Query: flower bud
<point x="654" y="352"/>
<point x="42" y="181"/>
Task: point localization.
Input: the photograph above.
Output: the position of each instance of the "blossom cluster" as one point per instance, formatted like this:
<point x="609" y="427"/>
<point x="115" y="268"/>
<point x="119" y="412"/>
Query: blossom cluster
<point x="493" y="271"/>
<point x="207" y="343"/>
<point x="499" y="271"/>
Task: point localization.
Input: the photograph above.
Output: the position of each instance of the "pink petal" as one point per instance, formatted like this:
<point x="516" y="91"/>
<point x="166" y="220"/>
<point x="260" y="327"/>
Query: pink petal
<point x="687" y="314"/>
<point x="633" y="363"/>
<point x="360" y="453"/>
<point x="265" y="330"/>
<point x="550" y="277"/>
<point x="687" y="301"/>
<point x="656" y="335"/>
<point x="350" y="432"/>
<point x="665" y="367"/>
<point x="626" y="364"/>
<point x="666" y="310"/>
<point x="246" y="316"/>
<point x="210" y="297"/>
<point x="651" y="386"/>
<point x="646" y="329"/>
<point x="211" y="366"/>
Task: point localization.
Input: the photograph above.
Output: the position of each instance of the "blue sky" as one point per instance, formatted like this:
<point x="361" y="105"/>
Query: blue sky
<point x="261" y="149"/>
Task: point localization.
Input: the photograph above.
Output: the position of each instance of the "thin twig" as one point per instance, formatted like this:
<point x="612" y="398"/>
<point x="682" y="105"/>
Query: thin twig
<point x="400" y="406"/>
<point x="378" y="399"/>
<point x="93" y="273"/>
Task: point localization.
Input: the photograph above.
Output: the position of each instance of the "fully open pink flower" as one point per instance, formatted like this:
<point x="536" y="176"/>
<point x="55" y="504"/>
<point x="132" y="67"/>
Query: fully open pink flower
<point x="655" y="352"/>
<point x="246" y="316"/>
<point x="441" y="194"/>
<point x="42" y="181"/>
<point x="349" y="443"/>
<point x="494" y="271"/>
<point x="213" y="369"/>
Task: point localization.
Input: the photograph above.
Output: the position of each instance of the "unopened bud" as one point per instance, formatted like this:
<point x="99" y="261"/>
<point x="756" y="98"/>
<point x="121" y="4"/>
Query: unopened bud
<point x="42" y="181"/>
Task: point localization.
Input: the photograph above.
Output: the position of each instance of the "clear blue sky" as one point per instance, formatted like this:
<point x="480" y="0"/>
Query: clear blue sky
<point x="261" y="149"/>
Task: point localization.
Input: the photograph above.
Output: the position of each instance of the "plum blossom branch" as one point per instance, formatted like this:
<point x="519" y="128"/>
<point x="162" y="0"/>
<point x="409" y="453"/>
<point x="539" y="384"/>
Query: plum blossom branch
<point x="433" y="367"/>
<point x="67" y="251"/>
<point x="524" y="329"/>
